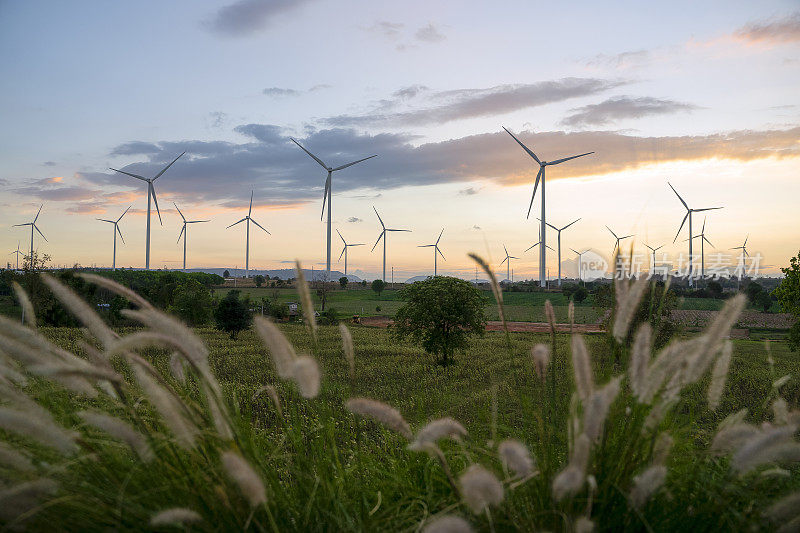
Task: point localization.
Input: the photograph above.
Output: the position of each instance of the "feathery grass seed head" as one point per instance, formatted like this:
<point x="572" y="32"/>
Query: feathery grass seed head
<point x="517" y="457"/>
<point x="550" y="314"/>
<point x="175" y="516"/>
<point x="480" y="488"/>
<point x="349" y="351"/>
<point x="647" y="483"/>
<point x="541" y="359"/>
<point x="435" y="430"/>
<point x="305" y="297"/>
<point x="718" y="375"/>
<point x="120" y="431"/>
<point x="383" y="413"/>
<point x="448" y="524"/>
<point x="246" y="478"/>
<point x="305" y="372"/>
<point x="281" y="350"/>
<point x="25" y="303"/>
<point x="582" y="367"/>
<point x="640" y="359"/>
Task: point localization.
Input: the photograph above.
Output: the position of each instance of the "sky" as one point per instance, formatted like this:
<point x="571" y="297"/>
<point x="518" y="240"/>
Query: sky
<point x="703" y="95"/>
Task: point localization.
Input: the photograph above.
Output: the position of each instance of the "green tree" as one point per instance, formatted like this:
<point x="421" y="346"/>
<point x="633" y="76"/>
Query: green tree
<point x="259" y="279"/>
<point x="788" y="296"/>
<point x="226" y="274"/>
<point x="378" y="285"/>
<point x="233" y="314"/>
<point x="579" y="295"/>
<point x="752" y="291"/>
<point x="192" y="302"/>
<point x="440" y="313"/>
<point x="343" y="282"/>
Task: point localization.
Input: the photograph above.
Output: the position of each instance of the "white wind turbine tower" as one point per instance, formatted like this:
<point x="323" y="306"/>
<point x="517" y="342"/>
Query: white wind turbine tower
<point x="33" y="227"/>
<point x="328" y="196"/>
<point x="508" y="265"/>
<point x="703" y="240"/>
<point x="17" y="253"/>
<point x="653" y="262"/>
<point x="436" y="251"/>
<point x="559" y="230"/>
<point x="543" y="219"/>
<point x="185" y="232"/>
<point x="534" y="245"/>
<point x="383" y="236"/>
<point x="249" y="219"/>
<point x="744" y="253"/>
<point x="116" y="230"/>
<point x="344" y="250"/>
<point x="616" y="244"/>
<point x="151" y="194"/>
<point x="689" y="216"/>
<point x="580" y="258"/>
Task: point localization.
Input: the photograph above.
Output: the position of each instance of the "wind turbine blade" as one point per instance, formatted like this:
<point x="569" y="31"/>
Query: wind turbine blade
<point x="245" y="218"/>
<point x="138" y="177"/>
<point x="709" y="242"/>
<point x="706" y="209"/>
<point x="577" y="252"/>
<point x="155" y="200"/>
<point x="626" y="236"/>
<point x="123" y="214"/>
<point x="534" y="246"/>
<point x="353" y="163"/>
<point x="196" y="221"/>
<point x="104" y="220"/>
<point x="703" y="230"/>
<point x="379" y="218"/>
<point x="340" y="236"/>
<point x="571" y="223"/>
<point x="325" y="195"/>
<point x="179" y="211"/>
<point x="505" y="250"/>
<point x="535" y="186"/>
<point x="548" y="224"/>
<point x="557" y="161"/>
<point x="504" y="260"/>
<point x="682" y="223"/>
<point x="678" y="195"/>
<point x="312" y="155"/>
<point x="379" y="240"/>
<point x="612" y="232"/>
<point x="341" y="254"/>
<point x="37" y="214"/>
<point x="167" y="167"/>
<point x="39" y="232"/>
<point x="745" y="241"/>
<point x="549" y="248"/>
<point x="260" y="226"/>
<point x="388" y="229"/>
<point x="25" y="224"/>
<point x="357" y="244"/>
<point x="657" y="249"/>
<point x="440" y="253"/>
<point x="120" y="234"/>
<point x="183" y="228"/>
<point x="425" y="245"/>
<point x="530" y="152"/>
<point x="440" y="236"/>
<point x="250" y="210"/>
<point x="650" y="247"/>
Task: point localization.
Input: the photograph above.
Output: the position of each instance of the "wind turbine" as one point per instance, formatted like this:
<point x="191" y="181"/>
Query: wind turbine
<point x="249" y="219"/>
<point x="328" y="196"/>
<point x="743" y="248"/>
<point x="534" y="245"/>
<point x="653" y="262"/>
<point x="559" y="230"/>
<point x="542" y="165"/>
<point x="703" y="240"/>
<point x="508" y="265"/>
<point x="116" y="230"/>
<point x="616" y="244"/>
<point x="436" y="251"/>
<point x="689" y="216"/>
<point x="151" y="194"/>
<point x="33" y="227"/>
<point x="344" y="251"/>
<point x="383" y="236"/>
<point x="580" y="258"/>
<point x="18" y="253"/>
<point x="185" y="232"/>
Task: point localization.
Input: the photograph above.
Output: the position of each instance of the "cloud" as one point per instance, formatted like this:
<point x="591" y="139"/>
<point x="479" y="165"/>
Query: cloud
<point x="469" y="191"/>
<point x="49" y="163"/>
<point x="409" y="92"/>
<point x="217" y="119"/>
<point x="246" y="17"/>
<point x="471" y="103"/>
<point x="282" y="176"/>
<point x="621" y="61"/>
<point x="355" y="219"/>
<point x="388" y="29"/>
<point x="622" y="107"/>
<point x="429" y="34"/>
<point x="319" y="87"/>
<point x="775" y="31"/>
<point x="279" y="92"/>
<point x="476" y="227"/>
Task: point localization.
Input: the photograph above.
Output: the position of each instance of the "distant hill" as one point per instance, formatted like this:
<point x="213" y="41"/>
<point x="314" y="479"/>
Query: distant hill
<point x="282" y="273"/>
<point x="423" y="278"/>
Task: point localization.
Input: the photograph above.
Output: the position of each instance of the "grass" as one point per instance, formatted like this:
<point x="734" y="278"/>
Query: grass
<point x="324" y="469"/>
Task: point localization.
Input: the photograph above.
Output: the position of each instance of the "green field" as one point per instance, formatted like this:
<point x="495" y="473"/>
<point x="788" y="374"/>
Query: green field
<point x="326" y="470"/>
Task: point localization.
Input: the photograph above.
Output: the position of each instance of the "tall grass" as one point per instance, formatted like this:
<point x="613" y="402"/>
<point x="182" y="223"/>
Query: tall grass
<point x="134" y="431"/>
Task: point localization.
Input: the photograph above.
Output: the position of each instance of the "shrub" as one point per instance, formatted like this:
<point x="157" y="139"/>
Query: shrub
<point x="343" y="282"/>
<point x="788" y="296"/>
<point x="259" y="280"/>
<point x="441" y="313"/>
<point x="233" y="314"/>
<point x="193" y="303"/>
